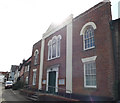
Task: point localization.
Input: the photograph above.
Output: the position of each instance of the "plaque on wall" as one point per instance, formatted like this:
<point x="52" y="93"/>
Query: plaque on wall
<point x="44" y="81"/>
<point x="61" y="81"/>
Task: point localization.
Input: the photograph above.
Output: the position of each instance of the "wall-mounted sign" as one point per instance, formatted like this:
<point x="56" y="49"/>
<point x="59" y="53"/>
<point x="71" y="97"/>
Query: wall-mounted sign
<point x="44" y="81"/>
<point x="61" y="81"/>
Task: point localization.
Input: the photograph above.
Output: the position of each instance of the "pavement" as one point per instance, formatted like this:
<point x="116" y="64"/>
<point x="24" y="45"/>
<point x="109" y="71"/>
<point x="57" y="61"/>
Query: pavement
<point x="0" y="92"/>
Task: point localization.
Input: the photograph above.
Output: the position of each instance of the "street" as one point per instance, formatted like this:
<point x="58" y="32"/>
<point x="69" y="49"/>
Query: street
<point x="10" y="95"/>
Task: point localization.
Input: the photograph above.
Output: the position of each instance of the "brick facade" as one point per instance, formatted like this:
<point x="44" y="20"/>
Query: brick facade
<point x="103" y="50"/>
<point x="61" y="61"/>
<point x="100" y="14"/>
<point x="36" y="46"/>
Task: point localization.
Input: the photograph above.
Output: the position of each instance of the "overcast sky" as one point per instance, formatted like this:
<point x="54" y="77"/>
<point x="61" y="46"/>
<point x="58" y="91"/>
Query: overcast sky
<point x="22" y="23"/>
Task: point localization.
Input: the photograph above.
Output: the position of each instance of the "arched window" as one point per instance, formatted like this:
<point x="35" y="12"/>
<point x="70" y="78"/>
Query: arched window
<point x="36" y="57"/>
<point x="88" y="35"/>
<point x="49" y="49"/>
<point x="58" y="45"/>
<point x="89" y="41"/>
<point x="54" y="47"/>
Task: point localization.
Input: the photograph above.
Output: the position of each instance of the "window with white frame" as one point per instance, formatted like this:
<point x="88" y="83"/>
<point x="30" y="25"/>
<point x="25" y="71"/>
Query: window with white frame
<point x="54" y="47"/>
<point x="26" y="80"/>
<point x="36" y="57"/>
<point x="28" y="67"/>
<point x="25" y="68"/>
<point x="88" y="38"/>
<point x="34" y="76"/>
<point x="88" y="35"/>
<point x="90" y="72"/>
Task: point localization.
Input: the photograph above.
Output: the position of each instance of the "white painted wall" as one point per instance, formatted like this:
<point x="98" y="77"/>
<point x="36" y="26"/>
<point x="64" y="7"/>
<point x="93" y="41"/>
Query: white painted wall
<point x="1" y="78"/>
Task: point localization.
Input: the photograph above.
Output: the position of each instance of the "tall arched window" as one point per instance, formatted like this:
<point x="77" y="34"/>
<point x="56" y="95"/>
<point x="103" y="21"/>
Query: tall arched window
<point x="88" y="35"/>
<point x="54" y="47"/>
<point x="58" y="45"/>
<point x="89" y="41"/>
<point x="36" y="57"/>
<point x="49" y="49"/>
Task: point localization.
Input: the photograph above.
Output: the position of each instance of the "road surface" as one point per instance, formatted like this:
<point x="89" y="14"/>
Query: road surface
<point x="10" y="95"/>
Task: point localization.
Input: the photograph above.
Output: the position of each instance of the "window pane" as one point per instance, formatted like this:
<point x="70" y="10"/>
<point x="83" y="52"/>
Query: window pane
<point x="54" y="50"/>
<point x="49" y="51"/>
<point x="58" y="47"/>
<point x="89" y="38"/>
<point x="90" y="74"/>
<point x="34" y="77"/>
<point x="36" y="58"/>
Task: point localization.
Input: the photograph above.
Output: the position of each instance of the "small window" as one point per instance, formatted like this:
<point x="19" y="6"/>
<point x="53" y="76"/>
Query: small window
<point x="36" y="57"/>
<point x="28" y="67"/>
<point x="34" y="76"/>
<point x="26" y="80"/>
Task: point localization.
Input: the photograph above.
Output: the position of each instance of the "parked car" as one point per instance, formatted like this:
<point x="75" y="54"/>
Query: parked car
<point x="8" y="84"/>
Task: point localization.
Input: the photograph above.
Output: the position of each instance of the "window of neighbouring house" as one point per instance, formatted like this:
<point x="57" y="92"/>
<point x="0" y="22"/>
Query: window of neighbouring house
<point x="89" y="72"/>
<point x="88" y="35"/>
<point x="26" y="80"/>
<point x="34" y="76"/>
<point x="54" y="47"/>
<point x="28" y="67"/>
<point x="36" y="57"/>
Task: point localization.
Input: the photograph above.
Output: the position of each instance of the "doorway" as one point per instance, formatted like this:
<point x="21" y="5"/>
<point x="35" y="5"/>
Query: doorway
<point x="52" y="82"/>
<point x="52" y="79"/>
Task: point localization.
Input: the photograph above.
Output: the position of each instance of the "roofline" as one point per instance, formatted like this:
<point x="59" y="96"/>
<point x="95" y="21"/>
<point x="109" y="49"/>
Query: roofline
<point x="100" y="4"/>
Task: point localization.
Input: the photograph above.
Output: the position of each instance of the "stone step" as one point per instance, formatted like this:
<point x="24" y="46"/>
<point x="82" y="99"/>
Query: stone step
<point x="32" y="99"/>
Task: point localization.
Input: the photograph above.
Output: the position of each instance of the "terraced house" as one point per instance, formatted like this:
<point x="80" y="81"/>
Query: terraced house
<point x="76" y="57"/>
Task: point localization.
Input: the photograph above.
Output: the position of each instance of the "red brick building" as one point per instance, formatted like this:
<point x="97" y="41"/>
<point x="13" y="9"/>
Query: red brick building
<point x="76" y="56"/>
<point x="27" y="71"/>
<point x="35" y="65"/>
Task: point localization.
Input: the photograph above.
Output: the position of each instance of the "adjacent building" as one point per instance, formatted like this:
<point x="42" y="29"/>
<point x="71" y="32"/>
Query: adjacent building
<point x="115" y="29"/>
<point x="27" y="71"/>
<point x="12" y="72"/>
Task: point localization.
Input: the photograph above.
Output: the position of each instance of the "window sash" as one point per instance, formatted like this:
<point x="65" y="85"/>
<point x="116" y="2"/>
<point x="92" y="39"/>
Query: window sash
<point x="90" y="74"/>
<point x="26" y="80"/>
<point x="54" y="48"/>
<point x="89" y="41"/>
<point x="34" y="77"/>
<point x="36" y="59"/>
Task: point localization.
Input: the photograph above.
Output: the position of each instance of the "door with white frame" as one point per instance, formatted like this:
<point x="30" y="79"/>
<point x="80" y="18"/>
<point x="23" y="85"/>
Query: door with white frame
<point x="52" y="80"/>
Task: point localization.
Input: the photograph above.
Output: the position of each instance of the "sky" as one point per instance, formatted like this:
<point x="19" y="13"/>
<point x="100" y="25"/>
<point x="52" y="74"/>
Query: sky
<point x="23" y="22"/>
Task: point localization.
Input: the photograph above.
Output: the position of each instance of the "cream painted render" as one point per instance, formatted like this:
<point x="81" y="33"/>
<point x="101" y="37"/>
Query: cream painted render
<point x="41" y="64"/>
<point x="69" y="58"/>
<point x="88" y="59"/>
